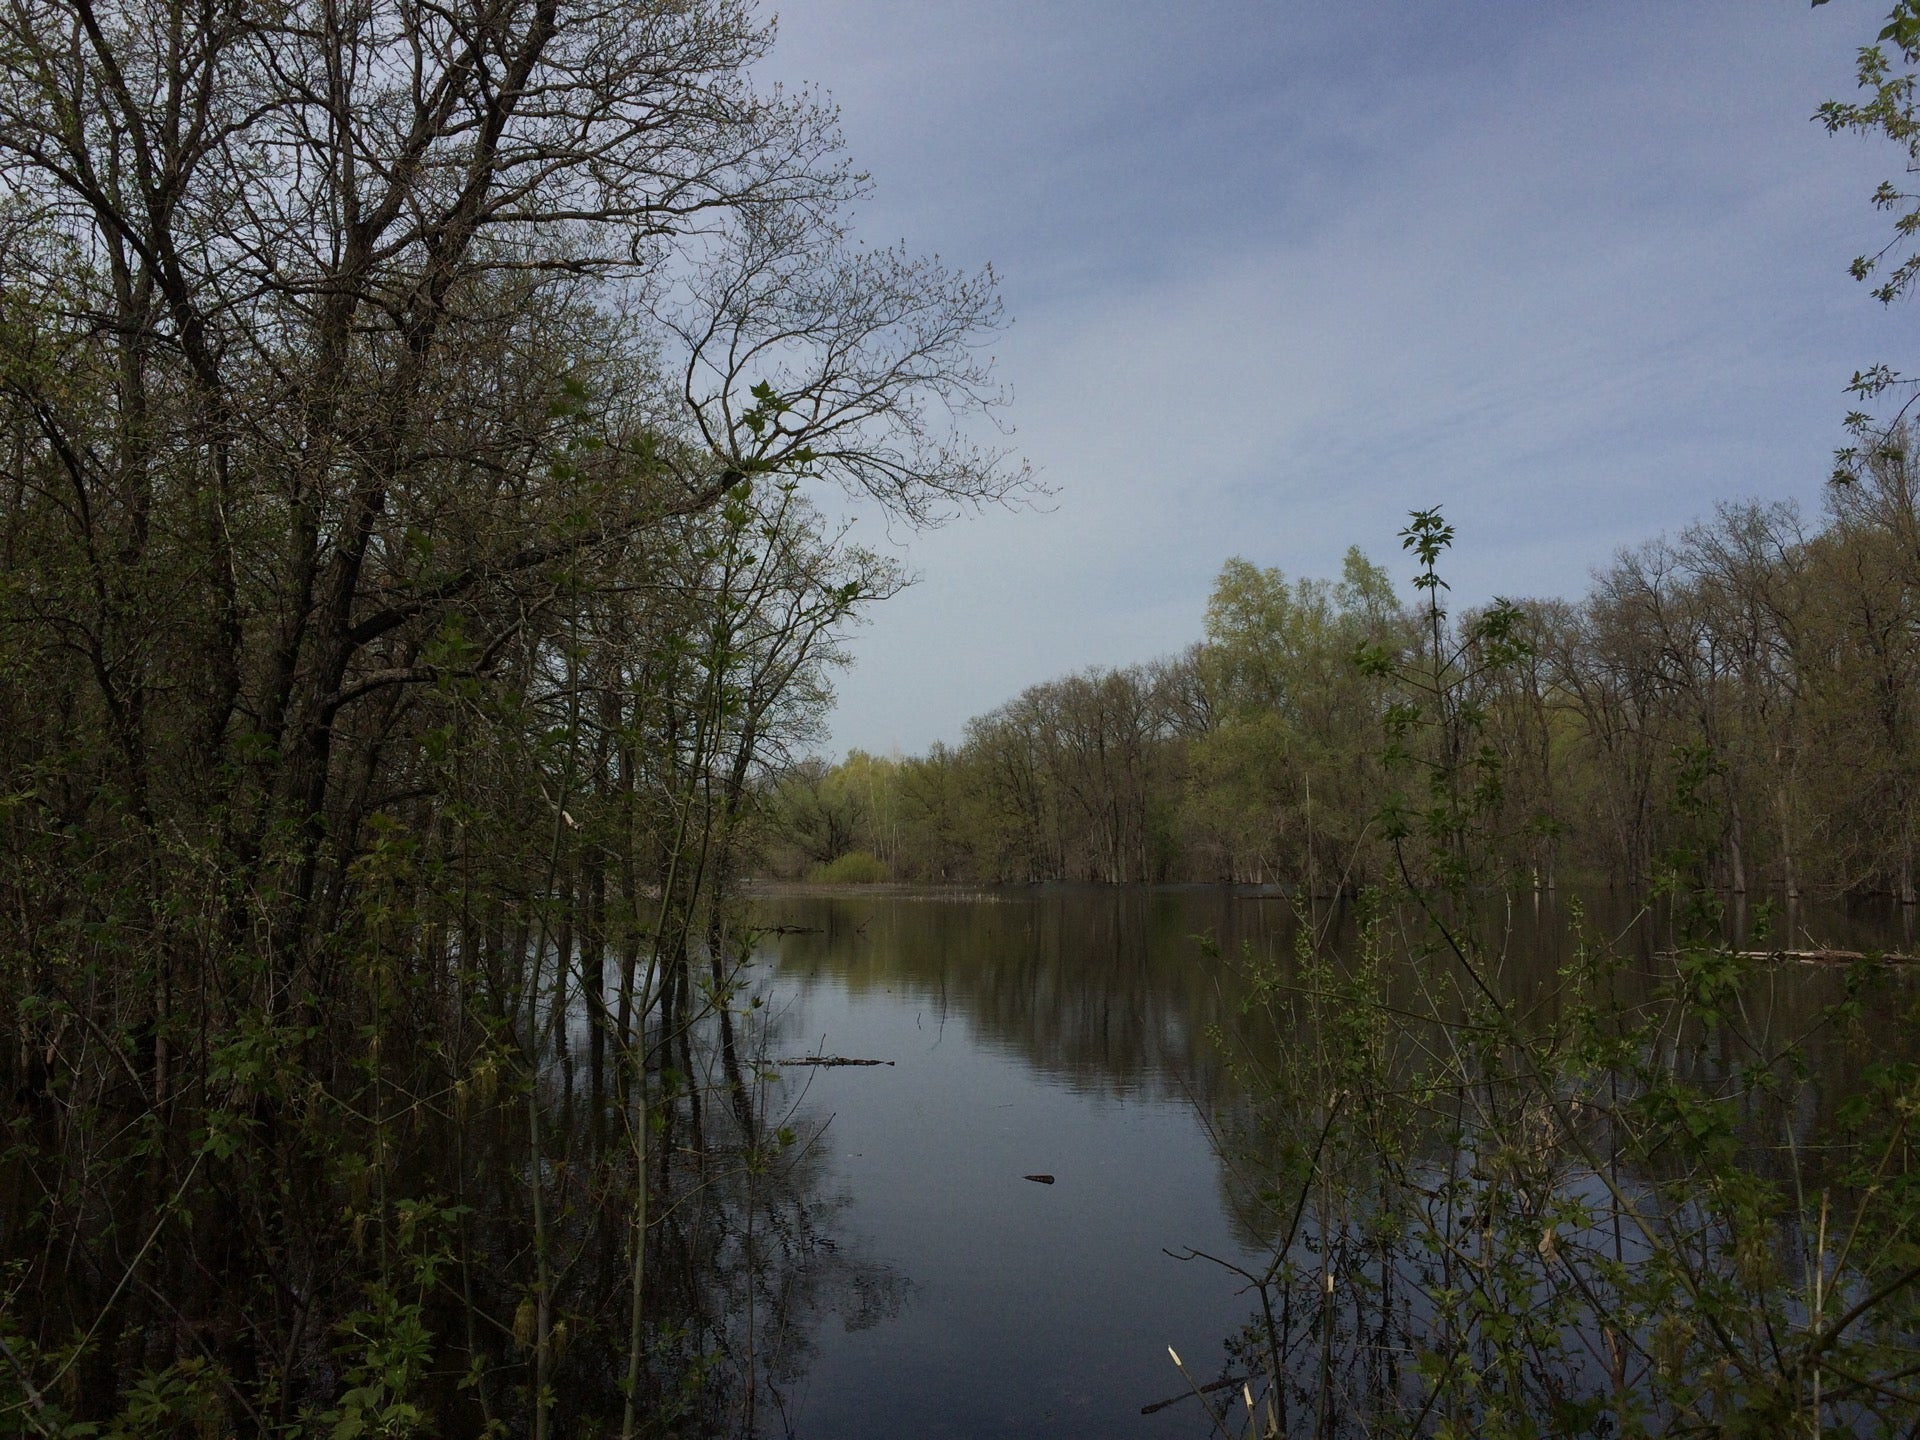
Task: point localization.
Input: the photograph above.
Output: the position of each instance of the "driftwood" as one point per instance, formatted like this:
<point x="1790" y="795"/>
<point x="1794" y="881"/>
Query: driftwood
<point x="832" y="1060"/>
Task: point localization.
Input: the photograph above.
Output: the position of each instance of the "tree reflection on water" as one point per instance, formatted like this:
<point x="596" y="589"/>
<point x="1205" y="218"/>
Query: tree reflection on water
<point x="1662" y="1193"/>
<point x="479" y="1243"/>
<point x="1633" y="1185"/>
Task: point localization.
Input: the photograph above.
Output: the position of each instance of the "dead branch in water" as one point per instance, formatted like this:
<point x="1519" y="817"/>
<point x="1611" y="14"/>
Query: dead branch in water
<point x="832" y="1060"/>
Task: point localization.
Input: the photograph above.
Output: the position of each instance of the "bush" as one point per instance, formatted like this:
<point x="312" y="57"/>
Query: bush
<point x="856" y="867"/>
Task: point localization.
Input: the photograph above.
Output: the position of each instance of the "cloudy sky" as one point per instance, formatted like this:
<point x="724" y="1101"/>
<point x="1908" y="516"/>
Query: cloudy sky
<point x="1280" y="272"/>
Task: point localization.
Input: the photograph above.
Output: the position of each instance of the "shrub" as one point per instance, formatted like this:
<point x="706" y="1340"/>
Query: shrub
<point x="856" y="867"/>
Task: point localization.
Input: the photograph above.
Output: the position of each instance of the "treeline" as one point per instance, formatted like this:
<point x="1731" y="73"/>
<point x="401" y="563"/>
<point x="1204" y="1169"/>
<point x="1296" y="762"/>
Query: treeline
<point x="1740" y="698"/>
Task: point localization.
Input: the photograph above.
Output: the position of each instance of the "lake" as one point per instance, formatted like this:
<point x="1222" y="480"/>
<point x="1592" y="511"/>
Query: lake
<point x="1063" y="1033"/>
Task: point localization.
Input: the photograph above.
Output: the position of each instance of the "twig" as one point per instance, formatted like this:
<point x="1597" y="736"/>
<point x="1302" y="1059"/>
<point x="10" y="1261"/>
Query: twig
<point x="1157" y="1406"/>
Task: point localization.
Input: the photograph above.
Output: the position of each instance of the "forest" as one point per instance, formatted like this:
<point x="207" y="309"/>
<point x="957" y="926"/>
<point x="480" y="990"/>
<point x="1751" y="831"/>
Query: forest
<point x="1773" y="659"/>
<point x="410" y="418"/>
<point x="422" y="428"/>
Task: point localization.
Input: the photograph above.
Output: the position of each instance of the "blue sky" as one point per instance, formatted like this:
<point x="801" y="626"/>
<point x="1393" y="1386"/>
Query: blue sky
<point x="1281" y="272"/>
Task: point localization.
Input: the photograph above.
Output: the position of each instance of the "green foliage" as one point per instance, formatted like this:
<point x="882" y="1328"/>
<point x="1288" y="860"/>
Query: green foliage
<point x="1602" y="1209"/>
<point x="1887" y="110"/>
<point x="1241" y="760"/>
<point x="384" y="681"/>
<point x="856" y="867"/>
<point x="1777" y="659"/>
<point x="386" y="1346"/>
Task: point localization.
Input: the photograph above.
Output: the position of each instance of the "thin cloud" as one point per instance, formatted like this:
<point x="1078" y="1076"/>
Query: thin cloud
<point x="1575" y="272"/>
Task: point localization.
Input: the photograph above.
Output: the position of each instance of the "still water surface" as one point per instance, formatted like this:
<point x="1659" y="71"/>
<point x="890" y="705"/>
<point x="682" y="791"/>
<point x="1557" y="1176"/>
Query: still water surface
<point x="1030" y="1036"/>
<point x="1061" y="1033"/>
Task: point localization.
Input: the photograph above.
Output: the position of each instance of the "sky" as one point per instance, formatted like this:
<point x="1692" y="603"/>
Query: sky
<point x="1279" y="273"/>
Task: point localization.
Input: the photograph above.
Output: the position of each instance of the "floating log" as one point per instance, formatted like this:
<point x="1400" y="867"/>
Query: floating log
<point x="831" y="1060"/>
<point x="1831" y="957"/>
<point x="1816" y="957"/>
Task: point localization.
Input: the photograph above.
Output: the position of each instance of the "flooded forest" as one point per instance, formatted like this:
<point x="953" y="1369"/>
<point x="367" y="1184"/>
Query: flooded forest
<point x="434" y="995"/>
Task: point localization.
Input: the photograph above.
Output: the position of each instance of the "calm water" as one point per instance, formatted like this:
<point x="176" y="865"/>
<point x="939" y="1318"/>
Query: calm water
<point x="1063" y="1033"/>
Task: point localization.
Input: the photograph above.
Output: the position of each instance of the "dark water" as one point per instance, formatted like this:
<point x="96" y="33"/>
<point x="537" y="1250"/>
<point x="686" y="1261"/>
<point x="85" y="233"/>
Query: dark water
<point x="1058" y="1036"/>
<point x="1062" y="1033"/>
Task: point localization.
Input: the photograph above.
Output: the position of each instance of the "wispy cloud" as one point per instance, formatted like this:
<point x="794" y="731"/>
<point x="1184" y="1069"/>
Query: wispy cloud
<point x="1281" y="273"/>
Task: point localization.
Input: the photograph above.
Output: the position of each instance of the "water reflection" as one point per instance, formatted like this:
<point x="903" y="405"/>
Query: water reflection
<point x="1099" y="991"/>
<point x="745" y="1258"/>
<point x="1117" y="990"/>
<point x="843" y="1252"/>
<point x="1122" y="1015"/>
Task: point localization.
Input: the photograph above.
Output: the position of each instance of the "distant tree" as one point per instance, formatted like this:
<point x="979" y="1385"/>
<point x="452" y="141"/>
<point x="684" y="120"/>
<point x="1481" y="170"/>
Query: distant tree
<point x="1279" y="785"/>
